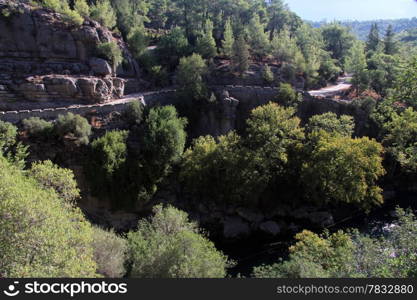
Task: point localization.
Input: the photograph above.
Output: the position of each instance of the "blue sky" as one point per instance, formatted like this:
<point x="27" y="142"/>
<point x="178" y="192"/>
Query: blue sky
<point x="317" y="10"/>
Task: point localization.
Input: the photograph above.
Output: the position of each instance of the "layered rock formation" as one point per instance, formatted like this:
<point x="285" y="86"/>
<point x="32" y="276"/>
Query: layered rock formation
<point x="43" y="57"/>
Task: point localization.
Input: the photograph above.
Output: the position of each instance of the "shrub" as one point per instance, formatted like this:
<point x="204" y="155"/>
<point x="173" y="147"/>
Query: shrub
<point x="109" y="152"/>
<point x="332" y="124"/>
<point x="14" y="151"/>
<point x="133" y="114"/>
<point x="110" y="253"/>
<point x="168" y="245"/>
<point x="82" y="8"/>
<point x="288" y="96"/>
<point x="267" y="75"/>
<point x="37" y="127"/>
<point x="138" y="41"/>
<point x="39" y="235"/>
<point x="190" y="73"/>
<point x="74" y="127"/>
<point x="111" y="52"/>
<point x="104" y="13"/>
<point x="51" y="176"/>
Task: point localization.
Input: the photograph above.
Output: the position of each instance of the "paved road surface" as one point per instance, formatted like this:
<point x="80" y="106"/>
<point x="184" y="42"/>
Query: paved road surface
<point x="333" y="90"/>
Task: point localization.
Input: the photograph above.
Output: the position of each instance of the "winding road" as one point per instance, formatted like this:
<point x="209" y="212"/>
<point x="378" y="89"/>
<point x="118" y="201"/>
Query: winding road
<point x="333" y="90"/>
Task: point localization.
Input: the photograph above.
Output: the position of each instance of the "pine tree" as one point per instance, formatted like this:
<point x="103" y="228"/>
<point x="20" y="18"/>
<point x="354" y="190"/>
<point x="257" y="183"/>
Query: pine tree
<point x="389" y="42"/>
<point x="228" y="40"/>
<point x="206" y="45"/>
<point x="240" y="55"/>
<point x="258" y="38"/>
<point x="356" y="64"/>
<point x="373" y="38"/>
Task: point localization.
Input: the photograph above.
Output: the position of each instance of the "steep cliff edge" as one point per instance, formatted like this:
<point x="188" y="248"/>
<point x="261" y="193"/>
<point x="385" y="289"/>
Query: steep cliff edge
<point x="45" y="58"/>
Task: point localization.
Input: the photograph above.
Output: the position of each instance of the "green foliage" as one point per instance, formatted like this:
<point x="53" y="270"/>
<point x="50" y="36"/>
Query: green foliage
<point x="162" y="141"/>
<point x="172" y="47"/>
<point x="14" y="151"/>
<point x="133" y="114"/>
<point x="138" y="41"/>
<point x="228" y="40"/>
<point x="383" y="72"/>
<point x="267" y="74"/>
<point x="110" y="253"/>
<point x="109" y="153"/>
<point x="356" y="63"/>
<point x="40" y="236"/>
<point x="373" y="41"/>
<point x="131" y="15"/>
<point x="340" y="169"/>
<point x="351" y="254"/>
<point x="190" y="74"/>
<point x="288" y="96"/>
<point x="332" y="124"/>
<point x="406" y="84"/>
<point x="338" y="40"/>
<point x="257" y="37"/>
<point x="37" y="127"/>
<point x="206" y="45"/>
<point x="240" y="58"/>
<point x="168" y="245"/>
<point x="62" y="6"/>
<point x="401" y="139"/>
<point x="73" y="127"/>
<point x="111" y="52"/>
<point x="390" y="45"/>
<point x="82" y="8"/>
<point x="103" y="13"/>
<point x="51" y="176"/>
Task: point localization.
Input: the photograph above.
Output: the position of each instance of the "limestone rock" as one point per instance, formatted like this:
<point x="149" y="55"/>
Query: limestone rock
<point x="235" y="227"/>
<point x="100" y="66"/>
<point x="270" y="227"/>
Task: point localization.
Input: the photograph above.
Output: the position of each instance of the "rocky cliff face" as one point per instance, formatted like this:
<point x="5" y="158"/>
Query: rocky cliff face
<point x="43" y="57"/>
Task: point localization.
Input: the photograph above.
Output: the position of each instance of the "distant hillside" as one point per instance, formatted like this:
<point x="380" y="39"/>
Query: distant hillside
<point x="362" y="28"/>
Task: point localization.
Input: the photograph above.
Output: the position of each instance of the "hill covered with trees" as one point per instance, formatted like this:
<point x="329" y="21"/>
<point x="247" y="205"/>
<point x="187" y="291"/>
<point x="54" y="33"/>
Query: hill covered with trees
<point x="153" y="191"/>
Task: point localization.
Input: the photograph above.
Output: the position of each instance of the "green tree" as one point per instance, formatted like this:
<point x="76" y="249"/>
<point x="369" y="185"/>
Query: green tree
<point x="103" y="13"/>
<point x="37" y="127"/>
<point x="172" y="46"/>
<point x="390" y="45"/>
<point x="109" y="153"/>
<point x="288" y="96"/>
<point x="338" y="41"/>
<point x="267" y="74"/>
<point x="131" y="15"/>
<point x="39" y="235"/>
<point x="162" y="142"/>
<point x="228" y="39"/>
<point x="206" y="45"/>
<point x="257" y="37"/>
<point x="340" y="169"/>
<point x="51" y="176"/>
<point x="406" y="83"/>
<point x="168" y="245"/>
<point x="82" y="8"/>
<point x="373" y="40"/>
<point x="138" y="41"/>
<point x="10" y="148"/>
<point x="356" y="63"/>
<point x="240" y="59"/>
<point x="73" y="127"/>
<point x="401" y="137"/>
<point x="331" y="123"/>
<point x="133" y="114"/>
<point x="111" y="52"/>
<point x="190" y="77"/>
<point x="110" y="253"/>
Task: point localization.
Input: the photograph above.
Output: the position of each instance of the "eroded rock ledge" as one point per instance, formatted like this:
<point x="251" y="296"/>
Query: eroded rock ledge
<point x="43" y="57"/>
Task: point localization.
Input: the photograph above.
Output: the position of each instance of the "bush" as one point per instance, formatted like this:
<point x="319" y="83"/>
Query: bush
<point x="51" y="176"/>
<point x="138" y="41"/>
<point x="74" y="127"/>
<point x="190" y="73"/>
<point x="39" y="235"/>
<point x="267" y="75"/>
<point x="14" y="151"/>
<point x="104" y="13"/>
<point x="332" y="124"/>
<point x="133" y="114"/>
<point x="288" y="96"/>
<point x="37" y="127"/>
<point x="82" y="8"/>
<point x="109" y="152"/>
<point x="111" y="52"/>
<point x="110" y="253"/>
<point x="168" y="245"/>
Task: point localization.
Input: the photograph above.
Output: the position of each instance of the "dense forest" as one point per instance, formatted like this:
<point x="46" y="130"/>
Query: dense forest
<point x="279" y="160"/>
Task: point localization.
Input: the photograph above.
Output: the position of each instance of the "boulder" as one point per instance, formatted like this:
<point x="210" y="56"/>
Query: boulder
<point x="100" y="66"/>
<point x="235" y="227"/>
<point x="62" y="85"/>
<point x="270" y="227"/>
